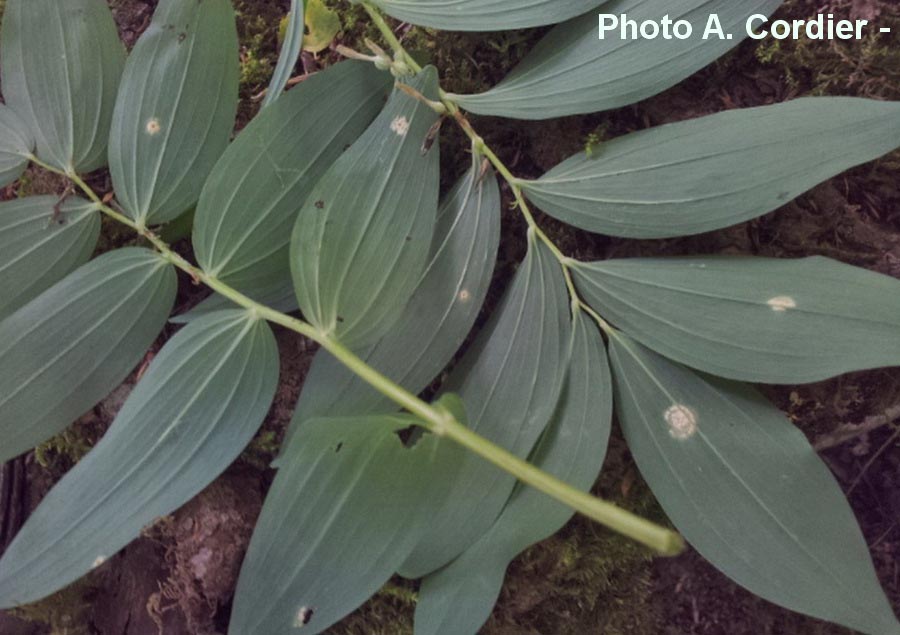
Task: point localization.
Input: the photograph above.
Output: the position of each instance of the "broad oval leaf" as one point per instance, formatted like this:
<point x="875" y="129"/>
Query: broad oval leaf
<point x="201" y="401"/>
<point x="70" y="346"/>
<point x="175" y="109"/>
<point x="711" y="172"/>
<point x="485" y="15"/>
<point x="61" y="63"/>
<point x="250" y="201"/>
<point x="363" y="235"/>
<point x="458" y="599"/>
<point x="16" y="145"/>
<point x="290" y="51"/>
<point x="755" y="319"/>
<point x="322" y="25"/>
<point x="439" y="315"/>
<point x="510" y="381"/>
<point x="347" y="505"/>
<point x="571" y="71"/>
<point x="745" y="488"/>
<point x="39" y="246"/>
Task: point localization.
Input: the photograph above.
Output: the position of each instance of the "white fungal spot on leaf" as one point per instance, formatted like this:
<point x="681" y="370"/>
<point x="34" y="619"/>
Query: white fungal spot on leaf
<point x="464" y="295"/>
<point x="400" y="125"/>
<point x="304" y="615"/>
<point x="682" y="421"/>
<point x="153" y="126"/>
<point x="782" y="303"/>
<point x="99" y="560"/>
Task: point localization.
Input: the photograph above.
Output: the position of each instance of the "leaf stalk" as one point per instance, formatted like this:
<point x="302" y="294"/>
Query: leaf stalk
<point x="434" y="419"/>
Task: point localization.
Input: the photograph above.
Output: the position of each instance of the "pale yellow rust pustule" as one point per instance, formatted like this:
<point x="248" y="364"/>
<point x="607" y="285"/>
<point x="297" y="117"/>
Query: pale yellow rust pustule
<point x="433" y="418"/>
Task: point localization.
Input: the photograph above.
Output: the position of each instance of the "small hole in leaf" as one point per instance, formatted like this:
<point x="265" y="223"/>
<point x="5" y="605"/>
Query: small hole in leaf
<point x="304" y="615"/>
<point x="410" y="436"/>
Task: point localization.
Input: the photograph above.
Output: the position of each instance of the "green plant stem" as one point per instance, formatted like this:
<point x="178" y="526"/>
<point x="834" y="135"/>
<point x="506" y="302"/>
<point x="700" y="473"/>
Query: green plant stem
<point x="515" y="187"/>
<point x="450" y="107"/>
<point x="388" y="34"/>
<point x="665" y="541"/>
<point x="434" y="419"/>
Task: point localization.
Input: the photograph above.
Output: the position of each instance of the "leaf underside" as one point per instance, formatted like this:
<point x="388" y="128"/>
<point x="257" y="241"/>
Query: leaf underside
<point x="250" y="202"/>
<point x="362" y="237"/>
<point x="16" y="144"/>
<point x="39" y="247"/>
<point x="374" y="262"/>
<point x="458" y="599"/>
<point x="754" y="319"/>
<point x="200" y="402"/>
<point x="484" y="15"/>
<point x="510" y="380"/>
<point x="290" y="51"/>
<point x="745" y="488"/>
<point x="571" y="72"/>
<point x="60" y="64"/>
<point x="712" y="172"/>
<point x="437" y="318"/>
<point x="73" y="344"/>
<point x="175" y="108"/>
<point x="347" y="505"/>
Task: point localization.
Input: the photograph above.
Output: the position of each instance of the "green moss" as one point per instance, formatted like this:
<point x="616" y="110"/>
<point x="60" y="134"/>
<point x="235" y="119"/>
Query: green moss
<point x="468" y="62"/>
<point x="64" y="613"/>
<point x="869" y="67"/>
<point x="258" y="22"/>
<point x="66" y="448"/>
<point x="389" y="612"/>
<point x="59" y="454"/>
<point x="585" y="579"/>
<point x="262" y="450"/>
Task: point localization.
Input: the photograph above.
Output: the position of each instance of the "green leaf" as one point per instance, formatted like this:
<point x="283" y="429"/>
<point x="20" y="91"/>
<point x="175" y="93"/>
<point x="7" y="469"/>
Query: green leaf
<point x="485" y="15"/>
<point x="711" y="172"/>
<point x="571" y="72"/>
<point x="458" y="599"/>
<point x="510" y="380"/>
<point x="437" y="318"/>
<point x="362" y="237"/>
<point x="201" y="401"/>
<point x="347" y="505"/>
<point x="290" y="51"/>
<point x="745" y="488"/>
<point x="61" y="63"/>
<point x="175" y="109"/>
<point x="70" y="346"/>
<point x="16" y="145"/>
<point x="39" y="247"/>
<point x="755" y="319"/>
<point x="250" y="201"/>
<point x="323" y="24"/>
